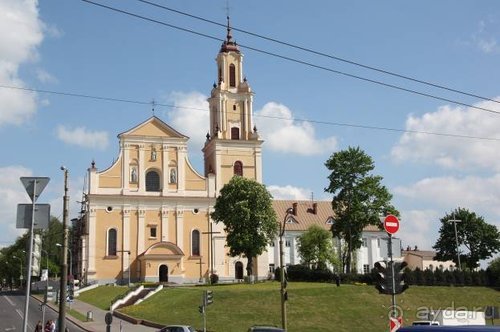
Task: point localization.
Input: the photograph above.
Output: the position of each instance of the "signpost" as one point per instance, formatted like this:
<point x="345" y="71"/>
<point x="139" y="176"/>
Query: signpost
<point x="391" y="224"/>
<point x="395" y="323"/>
<point x="34" y="187"/>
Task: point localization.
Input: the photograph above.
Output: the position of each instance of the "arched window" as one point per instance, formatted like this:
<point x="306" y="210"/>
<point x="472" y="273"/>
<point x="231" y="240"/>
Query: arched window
<point x="195" y="243"/>
<point x="152" y="181"/>
<point x="238" y="168"/>
<point x="112" y="236"/>
<point x="235" y="133"/>
<point x="232" y="75"/>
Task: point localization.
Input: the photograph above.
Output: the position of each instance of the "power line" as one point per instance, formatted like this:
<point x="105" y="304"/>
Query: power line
<point x="322" y="122"/>
<point x="298" y="61"/>
<point x="309" y="50"/>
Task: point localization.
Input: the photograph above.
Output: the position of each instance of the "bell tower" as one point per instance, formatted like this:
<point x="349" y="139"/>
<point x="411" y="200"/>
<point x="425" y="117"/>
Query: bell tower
<point x="233" y="146"/>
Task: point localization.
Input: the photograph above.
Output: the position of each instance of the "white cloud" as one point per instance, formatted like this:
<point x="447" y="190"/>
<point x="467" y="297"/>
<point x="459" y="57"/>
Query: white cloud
<point x="22" y="33"/>
<point x="485" y="41"/>
<point x="80" y="136"/>
<point x="191" y="117"/>
<point x="289" y="192"/>
<point x="281" y="133"/>
<point x="472" y="192"/>
<point x="419" y="228"/>
<point x="45" y="77"/>
<point x="449" y="152"/>
<point x="12" y="193"/>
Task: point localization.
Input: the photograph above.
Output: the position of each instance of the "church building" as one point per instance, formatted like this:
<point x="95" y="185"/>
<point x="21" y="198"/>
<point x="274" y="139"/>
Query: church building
<point x="147" y="216"/>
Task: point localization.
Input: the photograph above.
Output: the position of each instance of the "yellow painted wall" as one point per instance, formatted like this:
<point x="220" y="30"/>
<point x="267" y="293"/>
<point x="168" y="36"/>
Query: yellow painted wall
<point x="112" y="177"/>
<point x="107" y="267"/>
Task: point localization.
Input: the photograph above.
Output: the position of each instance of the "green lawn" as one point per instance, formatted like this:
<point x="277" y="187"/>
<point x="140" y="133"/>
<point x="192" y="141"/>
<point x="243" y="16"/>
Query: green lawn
<point x="102" y="296"/>
<point x="311" y="306"/>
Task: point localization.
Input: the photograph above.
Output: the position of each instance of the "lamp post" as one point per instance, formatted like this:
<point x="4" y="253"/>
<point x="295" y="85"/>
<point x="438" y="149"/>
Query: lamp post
<point x="454" y="221"/>
<point x="21" y="271"/>
<point x="46" y="287"/>
<point x="282" y="271"/>
<point x="61" y="321"/>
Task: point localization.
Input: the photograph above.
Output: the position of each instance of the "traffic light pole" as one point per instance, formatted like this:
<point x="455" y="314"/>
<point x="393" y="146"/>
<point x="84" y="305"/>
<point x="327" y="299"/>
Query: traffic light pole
<point x="393" y="279"/>
<point x="30" y="260"/>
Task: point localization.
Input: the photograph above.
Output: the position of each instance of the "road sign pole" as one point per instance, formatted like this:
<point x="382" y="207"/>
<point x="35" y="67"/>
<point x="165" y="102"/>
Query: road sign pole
<point x="30" y="257"/>
<point x="391" y="263"/>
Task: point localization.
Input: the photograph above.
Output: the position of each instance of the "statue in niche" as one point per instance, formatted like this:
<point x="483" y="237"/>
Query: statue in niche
<point x="153" y="154"/>
<point x="133" y="175"/>
<point x="173" y="175"/>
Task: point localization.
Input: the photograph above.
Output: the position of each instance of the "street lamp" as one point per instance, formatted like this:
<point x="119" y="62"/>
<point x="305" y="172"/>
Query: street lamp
<point x="454" y="221"/>
<point x="61" y="321"/>
<point x="282" y="271"/>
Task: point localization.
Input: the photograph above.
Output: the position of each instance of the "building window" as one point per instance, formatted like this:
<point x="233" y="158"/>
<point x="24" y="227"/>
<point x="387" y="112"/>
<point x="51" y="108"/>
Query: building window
<point x="238" y="168"/>
<point x="195" y="243"/>
<point x="112" y="236"/>
<point x="366" y="268"/>
<point x="232" y="75"/>
<point x="152" y="231"/>
<point x="234" y="107"/>
<point x="152" y="181"/>
<point x="271" y="268"/>
<point x="287" y="243"/>
<point x="235" y="133"/>
<point x="365" y="243"/>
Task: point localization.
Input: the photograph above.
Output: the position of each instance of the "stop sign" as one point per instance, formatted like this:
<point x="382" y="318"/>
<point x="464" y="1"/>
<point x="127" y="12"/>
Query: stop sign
<point x="391" y="224"/>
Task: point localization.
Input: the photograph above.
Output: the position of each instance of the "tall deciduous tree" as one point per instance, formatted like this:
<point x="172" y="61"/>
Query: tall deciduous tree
<point x="480" y="239"/>
<point x="316" y="247"/>
<point x="245" y="208"/>
<point x="359" y="198"/>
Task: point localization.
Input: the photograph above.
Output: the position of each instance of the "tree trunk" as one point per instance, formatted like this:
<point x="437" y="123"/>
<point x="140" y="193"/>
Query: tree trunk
<point x="249" y="265"/>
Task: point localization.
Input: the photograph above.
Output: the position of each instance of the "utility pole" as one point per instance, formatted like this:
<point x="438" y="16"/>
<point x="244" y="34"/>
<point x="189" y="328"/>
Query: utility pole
<point x="454" y="221"/>
<point x="61" y="324"/>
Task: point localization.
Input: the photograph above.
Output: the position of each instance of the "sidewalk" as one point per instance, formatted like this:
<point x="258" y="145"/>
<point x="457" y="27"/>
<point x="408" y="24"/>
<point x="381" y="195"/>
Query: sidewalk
<point x="98" y="324"/>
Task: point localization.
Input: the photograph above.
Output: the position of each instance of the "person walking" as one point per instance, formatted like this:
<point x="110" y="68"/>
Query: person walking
<point x="39" y="326"/>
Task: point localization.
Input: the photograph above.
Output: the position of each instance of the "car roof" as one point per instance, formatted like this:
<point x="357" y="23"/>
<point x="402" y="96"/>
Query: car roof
<point x="464" y="328"/>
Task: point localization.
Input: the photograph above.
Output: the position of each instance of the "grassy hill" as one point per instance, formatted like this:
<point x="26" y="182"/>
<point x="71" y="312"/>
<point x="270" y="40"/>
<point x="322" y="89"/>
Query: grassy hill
<point x="311" y="306"/>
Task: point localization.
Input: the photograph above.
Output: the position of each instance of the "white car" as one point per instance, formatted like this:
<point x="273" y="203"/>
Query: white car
<point x="177" y="328"/>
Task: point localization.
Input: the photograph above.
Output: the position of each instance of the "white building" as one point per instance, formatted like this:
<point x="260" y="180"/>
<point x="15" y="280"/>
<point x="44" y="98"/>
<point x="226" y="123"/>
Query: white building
<point x="306" y="214"/>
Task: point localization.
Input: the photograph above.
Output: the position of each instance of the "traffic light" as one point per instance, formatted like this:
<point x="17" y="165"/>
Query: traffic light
<point x="383" y="277"/>
<point x="201" y="309"/>
<point x="399" y="277"/>
<point x="209" y="297"/>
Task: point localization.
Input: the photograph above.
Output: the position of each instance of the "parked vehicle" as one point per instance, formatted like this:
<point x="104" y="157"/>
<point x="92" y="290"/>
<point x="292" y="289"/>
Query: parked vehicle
<point x="449" y="317"/>
<point x="261" y="328"/>
<point x="440" y="328"/>
<point x="177" y="328"/>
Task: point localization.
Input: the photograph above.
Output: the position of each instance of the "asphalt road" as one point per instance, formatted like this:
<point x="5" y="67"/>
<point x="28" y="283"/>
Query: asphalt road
<point x="12" y="313"/>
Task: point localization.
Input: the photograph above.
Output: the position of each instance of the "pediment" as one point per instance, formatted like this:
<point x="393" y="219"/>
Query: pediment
<point x="153" y="127"/>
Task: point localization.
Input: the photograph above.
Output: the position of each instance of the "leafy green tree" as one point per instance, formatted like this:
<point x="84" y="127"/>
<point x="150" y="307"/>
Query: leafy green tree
<point x="245" y="208"/>
<point x="493" y="272"/>
<point x="359" y="198"/>
<point x="316" y="248"/>
<point x="481" y="239"/>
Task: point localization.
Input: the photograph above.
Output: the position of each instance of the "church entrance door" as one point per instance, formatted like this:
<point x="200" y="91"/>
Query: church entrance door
<point x="163" y="273"/>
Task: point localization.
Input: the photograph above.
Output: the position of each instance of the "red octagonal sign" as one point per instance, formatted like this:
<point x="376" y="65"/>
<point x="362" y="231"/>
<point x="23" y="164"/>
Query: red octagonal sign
<point x="391" y="224"/>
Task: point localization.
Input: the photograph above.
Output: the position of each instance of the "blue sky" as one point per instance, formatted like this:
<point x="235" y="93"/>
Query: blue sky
<point x="79" y="48"/>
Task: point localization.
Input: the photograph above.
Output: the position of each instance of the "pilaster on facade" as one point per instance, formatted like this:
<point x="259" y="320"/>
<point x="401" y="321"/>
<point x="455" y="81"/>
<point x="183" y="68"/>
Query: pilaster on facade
<point x="179" y="221"/>
<point x="92" y="238"/>
<point x="164" y="224"/>
<point x="181" y="168"/>
<point x="140" y="230"/>
<point x="126" y="239"/>
<point x="166" y="171"/>
<point x="142" y="171"/>
<point x="124" y="147"/>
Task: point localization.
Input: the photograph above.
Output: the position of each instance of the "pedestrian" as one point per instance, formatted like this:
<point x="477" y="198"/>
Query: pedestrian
<point x="47" y="326"/>
<point x="39" y="326"/>
<point x="52" y="326"/>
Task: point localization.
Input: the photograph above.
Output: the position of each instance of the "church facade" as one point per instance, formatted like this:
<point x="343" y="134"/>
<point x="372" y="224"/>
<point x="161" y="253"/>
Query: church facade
<point x="147" y="216"/>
